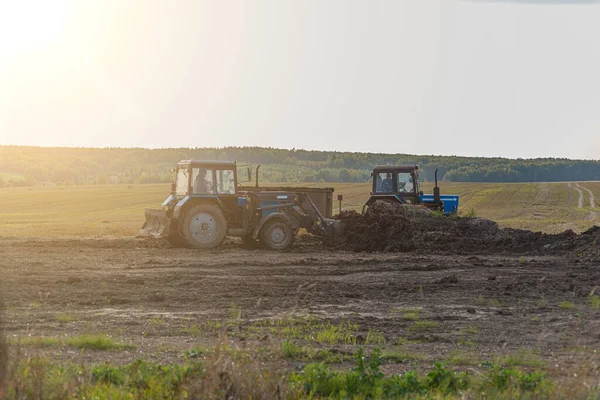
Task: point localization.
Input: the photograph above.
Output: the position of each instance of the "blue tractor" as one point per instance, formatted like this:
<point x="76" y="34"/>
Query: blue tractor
<point x="207" y="204"/>
<point x="400" y="184"/>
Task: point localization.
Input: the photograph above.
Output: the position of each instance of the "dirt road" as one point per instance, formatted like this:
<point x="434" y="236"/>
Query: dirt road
<point x="581" y="198"/>
<point x="593" y="214"/>
<point x="166" y="301"/>
<point x="590" y="193"/>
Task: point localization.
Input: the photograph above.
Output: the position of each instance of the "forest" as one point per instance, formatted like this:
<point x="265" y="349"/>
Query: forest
<point x="30" y="166"/>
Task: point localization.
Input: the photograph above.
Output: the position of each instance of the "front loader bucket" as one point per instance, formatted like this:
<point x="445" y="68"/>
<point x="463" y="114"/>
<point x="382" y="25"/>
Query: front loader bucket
<point x="336" y="231"/>
<point x="157" y="224"/>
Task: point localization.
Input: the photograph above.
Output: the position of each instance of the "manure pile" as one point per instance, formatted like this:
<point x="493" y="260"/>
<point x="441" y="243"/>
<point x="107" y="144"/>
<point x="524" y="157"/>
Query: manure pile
<point x="389" y="227"/>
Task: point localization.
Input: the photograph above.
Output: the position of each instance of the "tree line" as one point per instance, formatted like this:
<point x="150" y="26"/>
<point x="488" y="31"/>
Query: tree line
<point x="27" y="166"/>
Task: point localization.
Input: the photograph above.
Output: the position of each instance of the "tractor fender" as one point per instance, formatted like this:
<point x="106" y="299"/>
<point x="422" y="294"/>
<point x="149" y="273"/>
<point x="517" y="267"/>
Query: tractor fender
<point x="277" y="215"/>
<point x="190" y="201"/>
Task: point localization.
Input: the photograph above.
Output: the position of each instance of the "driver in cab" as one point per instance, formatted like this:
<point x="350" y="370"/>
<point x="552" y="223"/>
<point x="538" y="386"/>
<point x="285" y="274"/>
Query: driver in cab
<point x="386" y="184"/>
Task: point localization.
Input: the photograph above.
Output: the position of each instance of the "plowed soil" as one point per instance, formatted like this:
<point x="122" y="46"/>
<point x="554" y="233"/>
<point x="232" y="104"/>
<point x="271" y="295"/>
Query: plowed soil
<point x="165" y="301"/>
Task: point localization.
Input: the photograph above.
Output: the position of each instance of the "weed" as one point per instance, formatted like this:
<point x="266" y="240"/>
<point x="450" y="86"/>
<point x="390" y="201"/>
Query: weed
<point x="411" y="316"/>
<point x="332" y="334"/>
<point x="494" y="303"/>
<point x="542" y="302"/>
<point x="157" y="321"/>
<point x="196" y="352"/>
<point x="37" y="341"/>
<point x="65" y="317"/>
<point x="522" y="358"/>
<point x="461" y="358"/>
<point x="567" y="305"/>
<point x="594" y="301"/>
<point x="473" y="330"/>
<point x="293" y="351"/>
<point x="420" y="326"/>
<point x="511" y="382"/>
<point x="375" y="337"/>
<point x="470" y="214"/>
<point x="234" y="311"/>
<point x="462" y="341"/>
<point x="192" y="330"/>
<point x="400" y="357"/>
<point x="96" y="342"/>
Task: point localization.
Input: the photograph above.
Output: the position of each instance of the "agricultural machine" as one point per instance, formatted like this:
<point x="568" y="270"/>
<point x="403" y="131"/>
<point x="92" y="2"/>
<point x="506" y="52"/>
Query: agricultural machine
<point x="207" y="204"/>
<point x="400" y="184"/>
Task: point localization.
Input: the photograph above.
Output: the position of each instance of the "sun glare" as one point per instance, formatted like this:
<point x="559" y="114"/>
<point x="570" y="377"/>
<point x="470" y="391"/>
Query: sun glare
<point x="29" y="25"/>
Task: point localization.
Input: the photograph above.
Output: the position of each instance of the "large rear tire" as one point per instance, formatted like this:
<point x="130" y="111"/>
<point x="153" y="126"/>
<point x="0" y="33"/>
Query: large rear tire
<point x="277" y="235"/>
<point x="203" y="227"/>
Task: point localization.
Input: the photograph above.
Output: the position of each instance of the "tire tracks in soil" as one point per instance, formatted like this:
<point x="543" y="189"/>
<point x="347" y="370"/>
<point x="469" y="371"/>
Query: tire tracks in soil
<point x="592" y="216"/>
<point x="580" y="200"/>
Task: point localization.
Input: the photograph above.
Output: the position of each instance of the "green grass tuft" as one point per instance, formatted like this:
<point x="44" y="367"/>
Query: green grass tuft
<point x="567" y="305"/>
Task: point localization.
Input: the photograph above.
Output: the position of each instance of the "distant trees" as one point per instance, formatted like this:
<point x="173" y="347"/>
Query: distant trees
<point x="28" y="165"/>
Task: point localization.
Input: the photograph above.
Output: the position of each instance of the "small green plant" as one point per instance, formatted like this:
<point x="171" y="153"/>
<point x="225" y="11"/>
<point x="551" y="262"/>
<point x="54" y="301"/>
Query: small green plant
<point x="37" y="341"/>
<point x="293" y="351"/>
<point x="65" y="318"/>
<point x="521" y="358"/>
<point x="401" y="357"/>
<point x="420" y="326"/>
<point x="96" y="342"/>
<point x="235" y="312"/>
<point x="567" y="305"/>
<point x="461" y="358"/>
<point x="375" y="337"/>
<point x="542" y="302"/>
<point x="157" y="321"/>
<point x="511" y="382"/>
<point x="192" y="330"/>
<point x="473" y="330"/>
<point x="471" y="213"/>
<point x="196" y="352"/>
<point x="594" y="301"/>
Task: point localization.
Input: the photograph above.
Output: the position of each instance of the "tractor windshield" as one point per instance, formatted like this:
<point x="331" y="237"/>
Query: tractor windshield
<point x="405" y="182"/>
<point x="181" y="184"/>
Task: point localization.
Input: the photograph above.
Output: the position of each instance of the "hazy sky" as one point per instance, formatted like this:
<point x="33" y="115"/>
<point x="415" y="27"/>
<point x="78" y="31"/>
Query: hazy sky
<point x="489" y="78"/>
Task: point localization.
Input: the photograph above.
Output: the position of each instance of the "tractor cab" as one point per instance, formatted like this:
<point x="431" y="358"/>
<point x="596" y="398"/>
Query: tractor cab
<point x="399" y="181"/>
<point x="205" y="178"/>
<point x="397" y="184"/>
<point x="400" y="184"/>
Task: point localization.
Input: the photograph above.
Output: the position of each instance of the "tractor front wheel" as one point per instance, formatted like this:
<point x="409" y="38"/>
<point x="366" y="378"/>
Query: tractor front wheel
<point x="277" y="235"/>
<point x="203" y="227"/>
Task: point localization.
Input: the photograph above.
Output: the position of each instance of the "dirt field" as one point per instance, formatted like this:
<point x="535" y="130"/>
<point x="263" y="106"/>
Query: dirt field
<point x="533" y="311"/>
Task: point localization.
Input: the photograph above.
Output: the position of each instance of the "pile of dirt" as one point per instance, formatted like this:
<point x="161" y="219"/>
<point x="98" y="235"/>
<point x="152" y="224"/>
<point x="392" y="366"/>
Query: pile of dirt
<point x="389" y="227"/>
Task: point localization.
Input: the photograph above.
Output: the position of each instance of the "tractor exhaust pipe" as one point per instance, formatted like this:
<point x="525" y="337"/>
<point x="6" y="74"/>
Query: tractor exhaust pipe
<point x="436" y="190"/>
<point x="257" y="168"/>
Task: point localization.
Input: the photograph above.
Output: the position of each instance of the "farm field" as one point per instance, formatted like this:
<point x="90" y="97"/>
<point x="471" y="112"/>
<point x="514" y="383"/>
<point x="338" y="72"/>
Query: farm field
<point x="98" y="302"/>
<point x="81" y="292"/>
<point x="118" y="210"/>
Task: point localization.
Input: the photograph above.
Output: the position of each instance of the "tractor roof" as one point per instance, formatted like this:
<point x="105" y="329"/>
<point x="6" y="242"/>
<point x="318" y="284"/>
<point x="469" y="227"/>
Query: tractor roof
<point x="208" y="163"/>
<point x="396" y="168"/>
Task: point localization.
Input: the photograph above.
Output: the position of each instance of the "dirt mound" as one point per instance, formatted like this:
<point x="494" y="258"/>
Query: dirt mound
<point x="389" y="227"/>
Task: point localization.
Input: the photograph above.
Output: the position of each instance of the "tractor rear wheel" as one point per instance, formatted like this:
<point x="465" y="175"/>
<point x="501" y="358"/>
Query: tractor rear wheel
<point x="277" y="235"/>
<point x="203" y="227"/>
